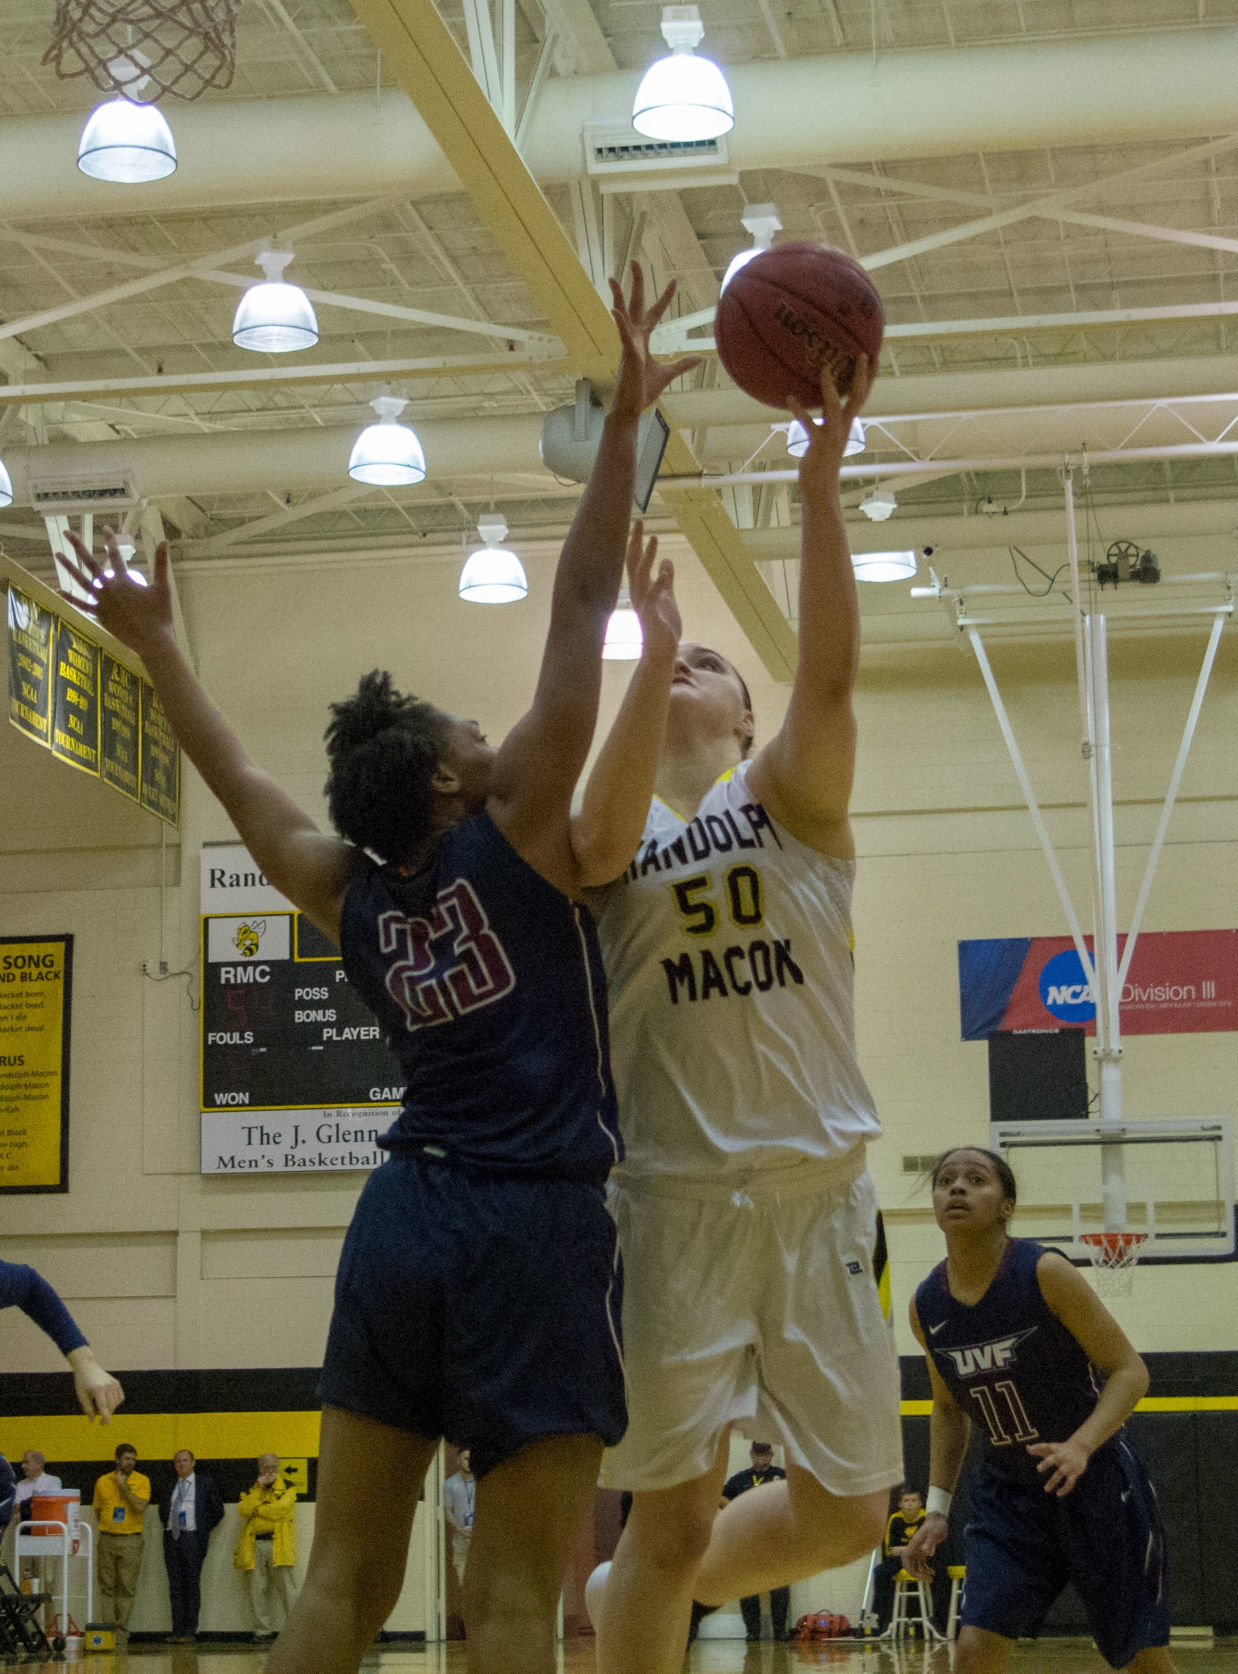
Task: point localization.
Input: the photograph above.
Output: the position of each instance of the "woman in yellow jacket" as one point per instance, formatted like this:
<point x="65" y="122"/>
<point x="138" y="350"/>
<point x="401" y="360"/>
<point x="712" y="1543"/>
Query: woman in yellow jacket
<point x="268" y="1546"/>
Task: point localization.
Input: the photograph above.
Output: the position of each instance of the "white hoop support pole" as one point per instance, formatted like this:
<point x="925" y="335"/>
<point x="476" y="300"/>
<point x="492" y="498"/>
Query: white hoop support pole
<point x="1201" y="686"/>
<point x="1033" y="807"/>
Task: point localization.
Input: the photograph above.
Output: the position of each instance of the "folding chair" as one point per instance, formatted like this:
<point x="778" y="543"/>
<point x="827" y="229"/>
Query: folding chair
<point x="20" y="1630"/>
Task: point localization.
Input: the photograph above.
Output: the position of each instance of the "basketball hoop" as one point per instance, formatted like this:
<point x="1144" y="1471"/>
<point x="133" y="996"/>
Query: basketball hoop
<point x="143" y="49"/>
<point x="1115" y="1256"/>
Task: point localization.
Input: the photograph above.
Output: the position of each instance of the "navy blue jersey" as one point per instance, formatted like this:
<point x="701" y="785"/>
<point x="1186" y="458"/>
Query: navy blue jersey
<point x="489" y="983"/>
<point x="1008" y="1360"/>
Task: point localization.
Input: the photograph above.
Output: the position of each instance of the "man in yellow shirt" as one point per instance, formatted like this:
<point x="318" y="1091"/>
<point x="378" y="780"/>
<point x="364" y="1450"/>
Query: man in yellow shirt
<point x="120" y="1499"/>
<point x="267" y="1547"/>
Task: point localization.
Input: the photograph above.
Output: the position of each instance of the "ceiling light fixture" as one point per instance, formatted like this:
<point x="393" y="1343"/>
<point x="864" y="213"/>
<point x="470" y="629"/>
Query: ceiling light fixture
<point x="387" y="454"/>
<point x="883" y="566"/>
<point x="274" y="317"/>
<point x="624" y="641"/>
<point x="797" y="438"/>
<point x="683" y="97"/>
<point x="879" y="505"/>
<point x="126" y="142"/>
<point x="762" y="221"/>
<point x="493" y="574"/>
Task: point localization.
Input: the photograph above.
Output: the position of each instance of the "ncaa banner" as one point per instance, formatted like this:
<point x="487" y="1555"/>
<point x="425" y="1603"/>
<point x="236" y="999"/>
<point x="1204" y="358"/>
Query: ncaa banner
<point x="1180" y="982"/>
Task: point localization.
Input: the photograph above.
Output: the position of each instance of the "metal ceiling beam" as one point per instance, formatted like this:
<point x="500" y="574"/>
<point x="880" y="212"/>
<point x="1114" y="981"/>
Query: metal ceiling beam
<point x="428" y="64"/>
<point x="272" y="377"/>
<point x="1100" y="91"/>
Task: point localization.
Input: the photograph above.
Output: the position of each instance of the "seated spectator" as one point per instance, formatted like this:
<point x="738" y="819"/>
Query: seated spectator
<point x="902" y="1524"/>
<point x="268" y="1547"/>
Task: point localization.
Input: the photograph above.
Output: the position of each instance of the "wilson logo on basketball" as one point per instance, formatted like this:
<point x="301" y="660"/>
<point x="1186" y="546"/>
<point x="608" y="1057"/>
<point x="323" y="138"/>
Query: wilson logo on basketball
<point x="817" y="348"/>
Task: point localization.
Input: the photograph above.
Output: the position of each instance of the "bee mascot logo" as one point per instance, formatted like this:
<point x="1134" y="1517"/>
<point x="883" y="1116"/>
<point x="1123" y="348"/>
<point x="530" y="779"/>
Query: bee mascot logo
<point x="249" y="937"/>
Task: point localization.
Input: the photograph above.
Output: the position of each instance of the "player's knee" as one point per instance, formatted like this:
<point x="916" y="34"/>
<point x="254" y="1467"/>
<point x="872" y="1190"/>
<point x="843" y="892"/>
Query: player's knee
<point x="364" y="1583"/>
<point x="673" y="1537"/>
<point x="834" y="1531"/>
<point x="516" y="1593"/>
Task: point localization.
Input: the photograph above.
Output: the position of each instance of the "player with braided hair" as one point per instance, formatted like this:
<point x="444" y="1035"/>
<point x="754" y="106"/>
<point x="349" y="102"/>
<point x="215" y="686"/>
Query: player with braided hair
<point x="477" y="1291"/>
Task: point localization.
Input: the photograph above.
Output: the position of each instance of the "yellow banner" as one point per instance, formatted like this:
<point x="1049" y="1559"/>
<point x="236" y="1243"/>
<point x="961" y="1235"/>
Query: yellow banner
<point x="35" y="988"/>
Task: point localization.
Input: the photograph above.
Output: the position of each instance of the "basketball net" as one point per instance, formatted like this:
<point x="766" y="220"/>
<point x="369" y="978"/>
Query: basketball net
<point x="1114" y="1256"/>
<point x="143" y="49"/>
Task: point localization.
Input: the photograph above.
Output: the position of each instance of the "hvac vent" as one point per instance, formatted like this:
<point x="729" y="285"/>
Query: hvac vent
<point x="611" y="149"/>
<point x="85" y="494"/>
<point x="921" y="1164"/>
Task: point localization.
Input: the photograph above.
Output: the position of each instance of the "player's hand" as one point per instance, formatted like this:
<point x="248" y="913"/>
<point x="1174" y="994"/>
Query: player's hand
<point x="1061" y="1463"/>
<point x="920" y="1548"/>
<point x="98" y="1392"/>
<point x="136" y="614"/>
<point x="827" y="441"/>
<point x="642" y="379"/>
<point x="652" y="595"/>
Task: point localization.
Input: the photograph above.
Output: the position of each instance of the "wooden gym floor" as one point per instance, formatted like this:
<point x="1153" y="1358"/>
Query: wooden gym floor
<point x="719" y="1656"/>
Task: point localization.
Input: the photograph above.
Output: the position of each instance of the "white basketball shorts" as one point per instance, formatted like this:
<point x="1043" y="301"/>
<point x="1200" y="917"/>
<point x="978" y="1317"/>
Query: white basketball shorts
<point x="754" y="1304"/>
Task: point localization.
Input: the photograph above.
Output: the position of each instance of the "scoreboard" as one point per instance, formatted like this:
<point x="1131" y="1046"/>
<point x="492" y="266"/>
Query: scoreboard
<point x="295" y="1073"/>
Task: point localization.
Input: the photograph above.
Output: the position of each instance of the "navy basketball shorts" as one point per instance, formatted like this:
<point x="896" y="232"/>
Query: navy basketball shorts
<point x="481" y="1308"/>
<point x="1022" y="1546"/>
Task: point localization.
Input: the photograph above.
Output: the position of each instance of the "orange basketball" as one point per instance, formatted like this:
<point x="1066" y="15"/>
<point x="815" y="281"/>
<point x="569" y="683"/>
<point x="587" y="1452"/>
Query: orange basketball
<point x="789" y="312"/>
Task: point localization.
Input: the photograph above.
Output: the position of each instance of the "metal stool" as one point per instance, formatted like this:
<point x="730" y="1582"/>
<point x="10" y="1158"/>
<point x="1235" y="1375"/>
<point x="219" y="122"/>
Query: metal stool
<point x="906" y="1587"/>
<point x="958" y="1580"/>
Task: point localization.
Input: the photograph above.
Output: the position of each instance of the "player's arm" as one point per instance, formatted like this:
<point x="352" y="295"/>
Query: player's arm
<point x="1069" y="1296"/>
<point x="98" y="1392"/>
<point x="949" y="1429"/>
<point x="803" y="775"/>
<point x="311" y="869"/>
<point x="540" y="761"/>
<point x="607" y="831"/>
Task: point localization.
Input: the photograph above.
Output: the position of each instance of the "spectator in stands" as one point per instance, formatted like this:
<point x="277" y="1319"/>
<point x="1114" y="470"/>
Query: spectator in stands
<point x="763" y="1469"/>
<point x="459" y="1493"/>
<point x="268" y="1547"/>
<point x="189" y="1509"/>
<point x="35" y="1479"/>
<point x="120" y="1499"/>
<point x="902" y="1524"/>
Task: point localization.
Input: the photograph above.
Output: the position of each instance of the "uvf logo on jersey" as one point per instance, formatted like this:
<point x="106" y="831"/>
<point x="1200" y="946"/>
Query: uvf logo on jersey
<point x="986" y="1357"/>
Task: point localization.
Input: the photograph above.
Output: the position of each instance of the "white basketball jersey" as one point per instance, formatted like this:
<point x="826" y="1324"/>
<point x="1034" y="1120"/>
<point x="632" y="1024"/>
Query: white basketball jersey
<point x="727" y="946"/>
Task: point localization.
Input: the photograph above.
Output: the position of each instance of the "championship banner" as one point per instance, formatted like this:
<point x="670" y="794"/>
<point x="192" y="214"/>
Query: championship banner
<point x="75" y="690"/>
<point x="35" y="993"/>
<point x="31" y="628"/>
<point x="1180" y="982"/>
<point x="295" y="1075"/>
<point x="75" y="700"/>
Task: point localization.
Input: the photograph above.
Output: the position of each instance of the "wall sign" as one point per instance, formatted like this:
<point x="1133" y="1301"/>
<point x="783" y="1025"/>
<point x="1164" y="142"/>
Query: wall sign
<point x="295" y="1073"/>
<point x="35" y="998"/>
<point x="1180" y="982"/>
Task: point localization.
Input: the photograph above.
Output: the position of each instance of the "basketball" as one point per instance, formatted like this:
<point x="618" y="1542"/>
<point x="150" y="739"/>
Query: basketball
<point x="789" y="312"/>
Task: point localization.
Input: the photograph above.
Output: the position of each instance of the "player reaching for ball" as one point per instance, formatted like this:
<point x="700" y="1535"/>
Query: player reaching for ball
<point x="1061" y="1494"/>
<point x="475" y="1289"/>
<point x="745" y="1211"/>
